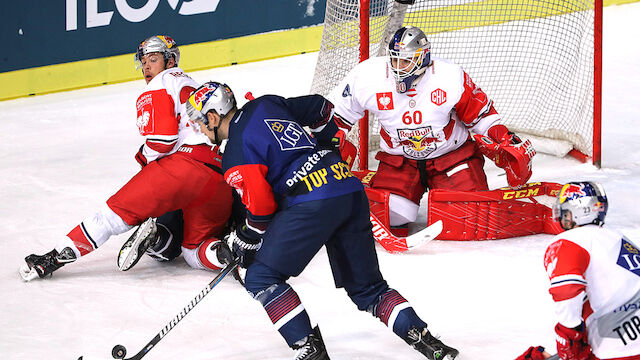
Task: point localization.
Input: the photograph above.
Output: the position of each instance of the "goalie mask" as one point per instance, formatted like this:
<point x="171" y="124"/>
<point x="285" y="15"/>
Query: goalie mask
<point x="161" y="44"/>
<point x="409" y="56"/>
<point x="211" y="96"/>
<point x="586" y="201"/>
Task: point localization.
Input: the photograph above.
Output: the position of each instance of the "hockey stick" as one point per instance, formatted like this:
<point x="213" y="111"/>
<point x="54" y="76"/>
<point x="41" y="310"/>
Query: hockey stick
<point x="119" y="351"/>
<point x="395" y="244"/>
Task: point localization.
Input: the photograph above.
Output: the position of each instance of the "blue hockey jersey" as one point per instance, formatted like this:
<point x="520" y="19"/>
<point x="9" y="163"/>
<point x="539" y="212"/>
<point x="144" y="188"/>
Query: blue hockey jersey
<point x="274" y="163"/>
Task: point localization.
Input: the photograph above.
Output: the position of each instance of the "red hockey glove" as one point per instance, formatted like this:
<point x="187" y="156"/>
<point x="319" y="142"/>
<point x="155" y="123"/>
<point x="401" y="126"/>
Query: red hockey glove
<point x="572" y="343"/>
<point x="534" y="353"/>
<point x="347" y="150"/>
<point x="508" y="152"/>
<point x="140" y="158"/>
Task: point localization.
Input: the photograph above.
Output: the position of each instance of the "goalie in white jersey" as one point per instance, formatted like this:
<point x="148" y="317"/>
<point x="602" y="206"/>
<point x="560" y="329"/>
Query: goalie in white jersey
<point x="595" y="280"/>
<point x="426" y="107"/>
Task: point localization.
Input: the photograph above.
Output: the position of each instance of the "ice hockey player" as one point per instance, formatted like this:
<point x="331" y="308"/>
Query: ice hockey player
<point x="595" y="280"/>
<point x="427" y="108"/>
<point x="299" y="197"/>
<point x="180" y="181"/>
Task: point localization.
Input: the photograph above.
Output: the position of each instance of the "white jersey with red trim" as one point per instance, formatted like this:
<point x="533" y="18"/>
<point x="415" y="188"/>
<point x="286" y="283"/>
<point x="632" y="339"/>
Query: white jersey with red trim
<point x="162" y="115"/>
<point x="595" y="276"/>
<point x="429" y="120"/>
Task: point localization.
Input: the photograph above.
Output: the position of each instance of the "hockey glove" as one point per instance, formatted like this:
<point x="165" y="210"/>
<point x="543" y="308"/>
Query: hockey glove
<point x="509" y="152"/>
<point x="346" y="149"/>
<point x="572" y="343"/>
<point x="245" y="245"/>
<point x="534" y="353"/>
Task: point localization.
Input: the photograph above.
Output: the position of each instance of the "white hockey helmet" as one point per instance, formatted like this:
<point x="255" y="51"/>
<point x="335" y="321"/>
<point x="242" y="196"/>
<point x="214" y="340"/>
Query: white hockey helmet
<point x="586" y="201"/>
<point x="158" y="43"/>
<point x="410" y="44"/>
<point x="210" y="96"/>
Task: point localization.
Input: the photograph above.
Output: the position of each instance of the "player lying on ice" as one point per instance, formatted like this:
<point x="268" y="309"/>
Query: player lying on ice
<point x="299" y="197"/>
<point x="428" y="108"/>
<point x="180" y="181"/>
<point x="595" y="281"/>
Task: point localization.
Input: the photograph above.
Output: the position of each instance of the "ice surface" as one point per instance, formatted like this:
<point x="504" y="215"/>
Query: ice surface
<point x="64" y="154"/>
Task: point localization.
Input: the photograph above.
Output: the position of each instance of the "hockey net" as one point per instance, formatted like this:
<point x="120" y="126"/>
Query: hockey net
<point x="534" y="58"/>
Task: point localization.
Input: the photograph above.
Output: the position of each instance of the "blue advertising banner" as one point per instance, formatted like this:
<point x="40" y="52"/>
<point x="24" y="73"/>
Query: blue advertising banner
<point x="41" y="33"/>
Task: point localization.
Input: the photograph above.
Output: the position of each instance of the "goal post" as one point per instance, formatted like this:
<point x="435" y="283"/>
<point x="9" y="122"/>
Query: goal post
<point x="540" y="61"/>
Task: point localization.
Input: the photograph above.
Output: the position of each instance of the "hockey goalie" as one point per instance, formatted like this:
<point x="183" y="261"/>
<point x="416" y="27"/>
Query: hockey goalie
<point x="436" y="127"/>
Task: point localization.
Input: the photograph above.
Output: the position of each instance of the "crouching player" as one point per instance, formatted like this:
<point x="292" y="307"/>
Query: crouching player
<point x="299" y="197"/>
<point x="180" y="182"/>
<point x="595" y="280"/>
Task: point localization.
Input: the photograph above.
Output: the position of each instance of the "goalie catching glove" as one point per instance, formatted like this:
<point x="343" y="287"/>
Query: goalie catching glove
<point x="508" y="152"/>
<point x="245" y="243"/>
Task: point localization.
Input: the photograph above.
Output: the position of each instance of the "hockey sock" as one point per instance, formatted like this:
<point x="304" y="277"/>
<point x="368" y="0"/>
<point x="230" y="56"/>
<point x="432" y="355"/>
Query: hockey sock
<point x="207" y="255"/>
<point x="396" y="312"/>
<point x="280" y="301"/>
<point x="96" y="229"/>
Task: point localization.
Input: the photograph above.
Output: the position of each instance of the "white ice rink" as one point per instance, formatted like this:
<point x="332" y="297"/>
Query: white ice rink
<point x="62" y="155"/>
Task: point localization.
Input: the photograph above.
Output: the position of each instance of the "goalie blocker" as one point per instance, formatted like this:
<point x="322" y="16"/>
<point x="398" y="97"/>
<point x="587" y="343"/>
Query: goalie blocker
<point x="480" y="215"/>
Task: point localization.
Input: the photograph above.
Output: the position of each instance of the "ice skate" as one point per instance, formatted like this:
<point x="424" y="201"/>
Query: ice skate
<point x="137" y="244"/>
<point x="429" y="346"/>
<point x="43" y="265"/>
<point x="311" y="347"/>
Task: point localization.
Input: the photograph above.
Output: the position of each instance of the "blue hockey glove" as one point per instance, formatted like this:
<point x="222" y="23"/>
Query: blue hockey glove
<point x="245" y="243"/>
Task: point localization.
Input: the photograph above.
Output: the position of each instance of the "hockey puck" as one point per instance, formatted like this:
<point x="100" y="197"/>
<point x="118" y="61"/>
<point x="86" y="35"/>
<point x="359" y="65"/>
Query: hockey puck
<point x="118" y="352"/>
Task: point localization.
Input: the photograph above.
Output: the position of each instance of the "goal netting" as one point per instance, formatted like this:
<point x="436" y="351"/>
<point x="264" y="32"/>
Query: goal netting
<point x="534" y="58"/>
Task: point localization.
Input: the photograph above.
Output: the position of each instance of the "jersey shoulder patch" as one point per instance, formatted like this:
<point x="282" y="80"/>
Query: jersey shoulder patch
<point x="629" y="257"/>
<point x="289" y="134"/>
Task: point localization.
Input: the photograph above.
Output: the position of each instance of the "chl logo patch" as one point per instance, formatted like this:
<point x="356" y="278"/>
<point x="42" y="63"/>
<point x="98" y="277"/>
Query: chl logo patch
<point x="629" y="257"/>
<point x="438" y="96"/>
<point x="289" y="134"/>
<point x="385" y="101"/>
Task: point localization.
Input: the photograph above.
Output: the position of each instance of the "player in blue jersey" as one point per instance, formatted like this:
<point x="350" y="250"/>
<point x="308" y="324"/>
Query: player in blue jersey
<point x="300" y="196"/>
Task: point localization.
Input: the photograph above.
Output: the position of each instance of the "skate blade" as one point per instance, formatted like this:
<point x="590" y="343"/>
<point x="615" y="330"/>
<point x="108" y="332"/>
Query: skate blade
<point x="27" y="273"/>
<point x="130" y="252"/>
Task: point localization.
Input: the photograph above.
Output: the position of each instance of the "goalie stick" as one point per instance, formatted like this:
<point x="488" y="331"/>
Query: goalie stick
<point x="119" y="351"/>
<point x="395" y="244"/>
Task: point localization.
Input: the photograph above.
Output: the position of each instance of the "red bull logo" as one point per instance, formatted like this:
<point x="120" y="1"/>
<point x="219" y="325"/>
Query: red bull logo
<point x="570" y="192"/>
<point x="202" y="94"/>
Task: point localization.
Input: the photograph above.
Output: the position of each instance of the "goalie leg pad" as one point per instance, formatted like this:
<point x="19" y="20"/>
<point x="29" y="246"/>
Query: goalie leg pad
<point x="489" y="215"/>
<point x="379" y="204"/>
<point x="393" y="211"/>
